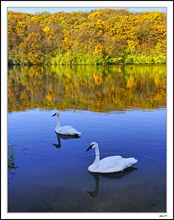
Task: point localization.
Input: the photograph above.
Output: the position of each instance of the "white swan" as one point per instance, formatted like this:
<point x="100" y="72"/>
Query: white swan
<point x="109" y="164"/>
<point x="66" y="130"/>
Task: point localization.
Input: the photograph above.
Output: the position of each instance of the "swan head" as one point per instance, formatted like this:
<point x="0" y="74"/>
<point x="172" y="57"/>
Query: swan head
<point x="56" y="114"/>
<point x="93" y="145"/>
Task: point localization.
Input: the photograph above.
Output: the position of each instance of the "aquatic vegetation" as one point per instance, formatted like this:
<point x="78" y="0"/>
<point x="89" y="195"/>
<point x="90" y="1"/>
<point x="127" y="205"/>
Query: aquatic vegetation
<point x="11" y="160"/>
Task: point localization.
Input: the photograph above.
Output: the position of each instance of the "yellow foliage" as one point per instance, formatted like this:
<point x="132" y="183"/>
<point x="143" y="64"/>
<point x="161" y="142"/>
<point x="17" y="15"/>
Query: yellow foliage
<point x="48" y="31"/>
<point x="95" y="15"/>
<point x="130" y="83"/>
<point x="117" y="60"/>
<point x="98" y="50"/>
<point x="97" y="88"/>
<point x="97" y="79"/>
<point x="21" y="24"/>
<point x="49" y="96"/>
<point x="34" y="19"/>
<point x="157" y="80"/>
<point x="104" y="32"/>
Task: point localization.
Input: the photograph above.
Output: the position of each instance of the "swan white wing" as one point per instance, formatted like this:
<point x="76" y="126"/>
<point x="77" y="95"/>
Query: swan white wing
<point x="114" y="164"/>
<point x="67" y="130"/>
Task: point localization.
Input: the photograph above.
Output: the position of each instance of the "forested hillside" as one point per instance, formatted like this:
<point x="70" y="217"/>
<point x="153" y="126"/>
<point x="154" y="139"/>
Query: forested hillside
<point x="105" y="36"/>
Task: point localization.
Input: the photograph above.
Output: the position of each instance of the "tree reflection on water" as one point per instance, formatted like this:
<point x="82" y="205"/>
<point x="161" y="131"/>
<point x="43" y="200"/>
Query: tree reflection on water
<point x="85" y="87"/>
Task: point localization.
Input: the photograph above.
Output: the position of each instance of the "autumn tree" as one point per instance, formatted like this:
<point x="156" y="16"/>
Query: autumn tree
<point x="31" y="49"/>
<point x="96" y="37"/>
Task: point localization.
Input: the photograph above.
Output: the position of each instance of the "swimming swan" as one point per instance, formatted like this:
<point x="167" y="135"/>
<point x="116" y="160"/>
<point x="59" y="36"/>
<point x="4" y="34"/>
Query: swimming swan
<point x="109" y="164"/>
<point x="66" y="130"/>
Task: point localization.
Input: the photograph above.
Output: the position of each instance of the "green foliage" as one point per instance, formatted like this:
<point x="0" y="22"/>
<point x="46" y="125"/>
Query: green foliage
<point x="104" y="36"/>
<point x="144" y="59"/>
<point x="78" y="58"/>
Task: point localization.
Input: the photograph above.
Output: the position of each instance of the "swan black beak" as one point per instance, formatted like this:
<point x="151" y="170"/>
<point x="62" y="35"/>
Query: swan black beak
<point x="54" y="114"/>
<point x="90" y="147"/>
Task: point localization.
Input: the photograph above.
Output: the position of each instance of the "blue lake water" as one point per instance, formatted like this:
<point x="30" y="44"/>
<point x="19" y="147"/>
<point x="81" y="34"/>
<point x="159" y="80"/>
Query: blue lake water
<point x="52" y="172"/>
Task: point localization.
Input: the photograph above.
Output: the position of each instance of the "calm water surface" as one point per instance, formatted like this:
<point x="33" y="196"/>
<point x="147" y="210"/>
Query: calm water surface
<point x="123" y="108"/>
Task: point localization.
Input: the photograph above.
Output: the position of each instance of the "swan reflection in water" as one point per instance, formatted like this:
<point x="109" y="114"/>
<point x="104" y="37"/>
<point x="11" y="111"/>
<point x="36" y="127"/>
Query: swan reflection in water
<point x="65" y="137"/>
<point x="108" y="176"/>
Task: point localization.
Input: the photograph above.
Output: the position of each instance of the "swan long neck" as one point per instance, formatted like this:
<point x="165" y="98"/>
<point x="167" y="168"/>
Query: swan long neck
<point x="97" y="155"/>
<point x="58" y="122"/>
